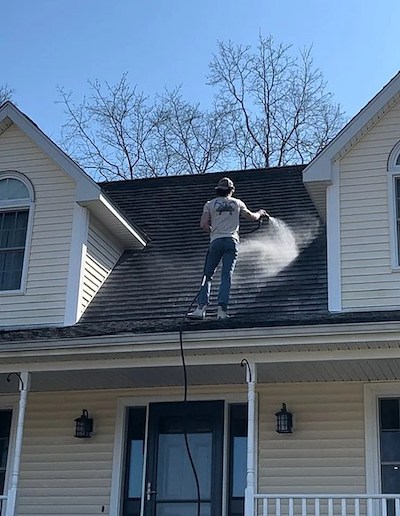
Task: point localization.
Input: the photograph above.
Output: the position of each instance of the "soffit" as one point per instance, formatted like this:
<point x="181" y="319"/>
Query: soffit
<point x="364" y="370"/>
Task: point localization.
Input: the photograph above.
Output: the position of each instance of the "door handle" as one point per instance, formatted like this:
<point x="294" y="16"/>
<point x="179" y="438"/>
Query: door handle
<point x="149" y="492"/>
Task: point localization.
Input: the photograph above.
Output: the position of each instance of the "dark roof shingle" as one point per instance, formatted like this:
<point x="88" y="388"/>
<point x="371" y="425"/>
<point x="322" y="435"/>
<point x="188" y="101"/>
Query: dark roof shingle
<point x="159" y="282"/>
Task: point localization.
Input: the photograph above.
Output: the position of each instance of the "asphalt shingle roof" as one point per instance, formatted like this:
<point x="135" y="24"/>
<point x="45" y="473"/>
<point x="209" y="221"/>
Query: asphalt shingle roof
<point x="280" y="270"/>
<point x="280" y="277"/>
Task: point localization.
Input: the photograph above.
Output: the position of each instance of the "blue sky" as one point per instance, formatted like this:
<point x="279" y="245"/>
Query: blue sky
<point x="45" y="43"/>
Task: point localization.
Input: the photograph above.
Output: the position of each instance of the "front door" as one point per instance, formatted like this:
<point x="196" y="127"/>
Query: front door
<point x="170" y="484"/>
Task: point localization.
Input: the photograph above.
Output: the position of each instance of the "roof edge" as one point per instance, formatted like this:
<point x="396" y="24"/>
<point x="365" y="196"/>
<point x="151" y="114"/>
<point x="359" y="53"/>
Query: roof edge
<point x="89" y="187"/>
<point x="87" y="190"/>
<point x="320" y="167"/>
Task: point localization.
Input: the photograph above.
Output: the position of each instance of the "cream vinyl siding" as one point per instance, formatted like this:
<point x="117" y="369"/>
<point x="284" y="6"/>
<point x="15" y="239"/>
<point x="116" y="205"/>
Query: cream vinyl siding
<point x="60" y="474"/>
<point x="43" y="302"/>
<point x="325" y="453"/>
<point x="102" y="254"/>
<point x="65" y="476"/>
<point x="367" y="277"/>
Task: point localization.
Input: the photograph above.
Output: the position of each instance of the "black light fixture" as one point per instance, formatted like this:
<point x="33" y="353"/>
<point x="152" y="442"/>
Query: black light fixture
<point x="284" y="420"/>
<point x="83" y="425"/>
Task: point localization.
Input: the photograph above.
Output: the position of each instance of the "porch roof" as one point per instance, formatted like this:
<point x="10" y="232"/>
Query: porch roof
<point x="324" y="370"/>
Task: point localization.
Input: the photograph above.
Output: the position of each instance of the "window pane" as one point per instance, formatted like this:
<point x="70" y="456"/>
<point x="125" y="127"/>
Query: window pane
<point x="237" y="459"/>
<point x="5" y="424"/>
<point x="398" y="160"/>
<point x="135" y="457"/>
<point x="13" y="189"/>
<point x="397" y="204"/>
<point x="13" y="226"/>
<point x="390" y="479"/>
<point x="390" y="446"/>
<point x="11" y="269"/>
<point x="389" y="414"/>
<point x="239" y="466"/>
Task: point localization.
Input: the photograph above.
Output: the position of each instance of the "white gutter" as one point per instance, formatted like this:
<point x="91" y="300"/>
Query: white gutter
<point x="251" y="438"/>
<point x="122" y="220"/>
<point x="24" y="381"/>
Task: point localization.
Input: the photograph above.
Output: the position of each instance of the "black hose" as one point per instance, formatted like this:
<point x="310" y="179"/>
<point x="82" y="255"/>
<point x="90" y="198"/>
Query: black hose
<point x="185" y="384"/>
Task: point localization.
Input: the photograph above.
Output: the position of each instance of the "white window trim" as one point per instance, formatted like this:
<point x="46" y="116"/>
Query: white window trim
<point x="117" y="477"/>
<point x="393" y="174"/>
<point x="12" y="205"/>
<point x="372" y="392"/>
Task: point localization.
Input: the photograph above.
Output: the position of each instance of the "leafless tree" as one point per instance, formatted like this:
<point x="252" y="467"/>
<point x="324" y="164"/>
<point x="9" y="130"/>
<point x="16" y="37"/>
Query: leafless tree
<point x="107" y="131"/>
<point x="277" y="105"/>
<point x="6" y="93"/>
<point x="271" y="108"/>
<point x="194" y="140"/>
<point x="118" y="132"/>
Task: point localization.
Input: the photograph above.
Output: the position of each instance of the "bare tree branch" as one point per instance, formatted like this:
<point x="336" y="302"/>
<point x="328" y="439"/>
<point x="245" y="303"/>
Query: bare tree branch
<point x="277" y="100"/>
<point x="6" y="93"/>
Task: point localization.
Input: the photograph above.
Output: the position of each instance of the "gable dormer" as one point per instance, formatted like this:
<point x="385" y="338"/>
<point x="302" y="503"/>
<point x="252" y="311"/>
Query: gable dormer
<point x="60" y="235"/>
<point x="355" y="185"/>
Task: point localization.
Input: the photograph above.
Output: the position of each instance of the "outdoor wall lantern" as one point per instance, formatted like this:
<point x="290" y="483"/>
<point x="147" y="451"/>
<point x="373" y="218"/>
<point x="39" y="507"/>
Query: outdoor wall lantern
<point x="83" y="425"/>
<point x="284" y="421"/>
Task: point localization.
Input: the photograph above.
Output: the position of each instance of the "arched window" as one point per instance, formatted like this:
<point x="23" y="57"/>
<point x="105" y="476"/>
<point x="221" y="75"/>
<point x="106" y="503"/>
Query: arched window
<point x="16" y="201"/>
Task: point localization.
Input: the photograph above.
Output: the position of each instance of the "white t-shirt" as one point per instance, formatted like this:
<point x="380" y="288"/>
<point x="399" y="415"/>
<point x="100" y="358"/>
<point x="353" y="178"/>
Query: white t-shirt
<point x="224" y="214"/>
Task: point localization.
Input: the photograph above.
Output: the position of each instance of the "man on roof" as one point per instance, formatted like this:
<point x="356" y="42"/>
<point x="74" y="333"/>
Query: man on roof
<point x="220" y="219"/>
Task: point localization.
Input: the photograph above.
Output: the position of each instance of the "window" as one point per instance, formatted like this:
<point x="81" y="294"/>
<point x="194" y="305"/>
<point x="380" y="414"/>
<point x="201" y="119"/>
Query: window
<point x="134" y="464"/>
<point x="394" y="203"/>
<point x="389" y="438"/>
<point x="237" y="459"/>
<point x="16" y="196"/>
<point x="5" y="424"/>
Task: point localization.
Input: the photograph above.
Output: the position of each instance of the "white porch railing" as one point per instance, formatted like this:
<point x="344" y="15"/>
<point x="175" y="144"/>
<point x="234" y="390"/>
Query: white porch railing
<point x="327" y="505"/>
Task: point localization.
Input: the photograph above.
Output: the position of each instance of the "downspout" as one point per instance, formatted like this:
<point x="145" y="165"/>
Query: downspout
<point x="249" y="509"/>
<point x="24" y="381"/>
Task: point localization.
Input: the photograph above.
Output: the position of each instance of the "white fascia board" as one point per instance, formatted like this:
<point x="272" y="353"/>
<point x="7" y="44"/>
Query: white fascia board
<point x="87" y="190"/>
<point x="320" y="167"/>
<point x="105" y="211"/>
<point x="210" y="340"/>
<point x="122" y="220"/>
<point x="85" y="183"/>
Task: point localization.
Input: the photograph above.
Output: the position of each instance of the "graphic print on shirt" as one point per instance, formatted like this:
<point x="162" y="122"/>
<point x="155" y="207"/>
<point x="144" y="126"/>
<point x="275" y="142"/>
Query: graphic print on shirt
<point x="221" y="207"/>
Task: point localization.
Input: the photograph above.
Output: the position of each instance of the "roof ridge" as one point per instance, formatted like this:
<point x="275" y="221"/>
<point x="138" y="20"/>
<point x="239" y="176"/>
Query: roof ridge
<point x="206" y="176"/>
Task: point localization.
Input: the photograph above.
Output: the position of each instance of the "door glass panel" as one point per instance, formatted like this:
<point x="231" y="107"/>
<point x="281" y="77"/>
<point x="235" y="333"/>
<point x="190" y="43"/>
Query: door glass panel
<point x="184" y="509"/>
<point x="174" y="472"/>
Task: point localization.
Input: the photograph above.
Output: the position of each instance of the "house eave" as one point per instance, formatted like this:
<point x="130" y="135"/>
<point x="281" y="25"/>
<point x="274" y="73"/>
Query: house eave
<point x="103" y="209"/>
<point x="211" y="341"/>
<point x="320" y="168"/>
<point x="88" y="192"/>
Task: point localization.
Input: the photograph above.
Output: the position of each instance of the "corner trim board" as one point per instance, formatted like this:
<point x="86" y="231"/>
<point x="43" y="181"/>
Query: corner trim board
<point x="80" y="225"/>
<point x="333" y="242"/>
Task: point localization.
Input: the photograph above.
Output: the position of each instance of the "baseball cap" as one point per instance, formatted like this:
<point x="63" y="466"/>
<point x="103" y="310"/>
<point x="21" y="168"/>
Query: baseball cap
<point x="225" y="184"/>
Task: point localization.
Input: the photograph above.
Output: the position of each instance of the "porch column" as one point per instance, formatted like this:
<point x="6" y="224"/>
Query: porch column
<point x="24" y="380"/>
<point x="251" y="439"/>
